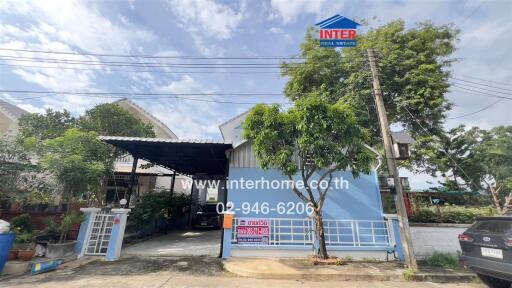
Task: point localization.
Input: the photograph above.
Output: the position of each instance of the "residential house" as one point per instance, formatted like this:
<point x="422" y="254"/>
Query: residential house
<point x="152" y="178"/>
<point x="9" y="115"/>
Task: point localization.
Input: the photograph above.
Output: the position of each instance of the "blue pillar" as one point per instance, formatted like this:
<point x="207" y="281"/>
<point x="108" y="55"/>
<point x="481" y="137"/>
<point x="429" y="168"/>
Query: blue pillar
<point x="116" y="238"/>
<point x="89" y="213"/>
<point x="394" y="225"/>
<point x="226" y="244"/>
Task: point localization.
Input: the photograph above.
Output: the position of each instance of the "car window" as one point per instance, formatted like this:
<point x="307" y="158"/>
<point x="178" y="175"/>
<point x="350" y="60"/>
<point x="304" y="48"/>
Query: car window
<point x="492" y="226"/>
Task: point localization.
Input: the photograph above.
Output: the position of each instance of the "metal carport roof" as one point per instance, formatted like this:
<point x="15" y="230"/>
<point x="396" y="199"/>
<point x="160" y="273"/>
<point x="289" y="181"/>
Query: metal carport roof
<point x="189" y="157"/>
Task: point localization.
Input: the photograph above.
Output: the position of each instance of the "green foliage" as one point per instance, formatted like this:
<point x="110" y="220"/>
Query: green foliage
<point x="111" y="120"/>
<point x="48" y="126"/>
<point x="409" y="274"/>
<point x="451" y="214"/>
<point x="22" y="223"/>
<point x="325" y="134"/>
<point x="313" y="136"/>
<point x="24" y="237"/>
<point x="78" y="160"/>
<point x="443" y="260"/>
<point x="153" y="206"/>
<point x="482" y="159"/>
<point x="412" y="68"/>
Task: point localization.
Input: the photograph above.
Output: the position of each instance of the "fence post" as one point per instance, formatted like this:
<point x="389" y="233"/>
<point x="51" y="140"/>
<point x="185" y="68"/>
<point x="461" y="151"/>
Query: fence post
<point x="115" y="242"/>
<point x="85" y="230"/>
<point x="227" y="227"/>
<point x="394" y="233"/>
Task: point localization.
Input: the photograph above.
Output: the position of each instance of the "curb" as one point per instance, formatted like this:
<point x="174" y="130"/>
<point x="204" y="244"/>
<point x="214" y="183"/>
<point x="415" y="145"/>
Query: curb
<point x="333" y="274"/>
<point x="240" y="271"/>
<point x="444" y="278"/>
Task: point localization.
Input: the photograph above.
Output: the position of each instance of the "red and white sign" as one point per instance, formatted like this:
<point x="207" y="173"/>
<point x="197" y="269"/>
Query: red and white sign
<point x="252" y="231"/>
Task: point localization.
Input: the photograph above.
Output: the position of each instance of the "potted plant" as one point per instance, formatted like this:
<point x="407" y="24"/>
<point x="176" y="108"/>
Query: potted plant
<point x="23" y="248"/>
<point x="64" y="248"/>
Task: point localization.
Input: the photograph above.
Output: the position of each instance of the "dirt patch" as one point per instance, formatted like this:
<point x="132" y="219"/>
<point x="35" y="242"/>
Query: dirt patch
<point x="206" y="266"/>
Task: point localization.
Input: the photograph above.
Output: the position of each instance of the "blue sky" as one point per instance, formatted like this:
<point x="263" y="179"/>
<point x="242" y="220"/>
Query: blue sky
<point x="225" y="28"/>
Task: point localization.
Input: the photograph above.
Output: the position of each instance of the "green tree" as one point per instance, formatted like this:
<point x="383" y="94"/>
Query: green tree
<point x="110" y="119"/>
<point x="412" y="68"/>
<point x="313" y="137"/>
<point x="451" y="153"/>
<point x="50" y="125"/>
<point x="14" y="163"/>
<point x="79" y="161"/>
<point x="492" y="166"/>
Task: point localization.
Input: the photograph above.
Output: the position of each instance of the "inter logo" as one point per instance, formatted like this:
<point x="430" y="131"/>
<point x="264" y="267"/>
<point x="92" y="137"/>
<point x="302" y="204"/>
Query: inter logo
<point x="338" y="31"/>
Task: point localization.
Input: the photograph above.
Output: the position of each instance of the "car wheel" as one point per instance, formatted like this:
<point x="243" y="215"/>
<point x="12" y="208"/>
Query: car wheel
<point x="494" y="282"/>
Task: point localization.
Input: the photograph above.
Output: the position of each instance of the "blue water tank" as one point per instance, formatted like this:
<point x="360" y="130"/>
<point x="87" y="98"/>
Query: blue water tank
<point x="6" y="241"/>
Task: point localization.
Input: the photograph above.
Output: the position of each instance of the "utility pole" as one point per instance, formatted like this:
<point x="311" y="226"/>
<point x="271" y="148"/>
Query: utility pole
<point x="405" y="233"/>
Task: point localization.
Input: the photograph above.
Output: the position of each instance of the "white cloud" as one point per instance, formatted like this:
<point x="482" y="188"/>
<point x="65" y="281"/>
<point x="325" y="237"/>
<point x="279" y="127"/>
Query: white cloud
<point x="69" y="26"/>
<point x="289" y="11"/>
<point x="188" y="118"/>
<point x="215" y="19"/>
<point x="78" y="24"/>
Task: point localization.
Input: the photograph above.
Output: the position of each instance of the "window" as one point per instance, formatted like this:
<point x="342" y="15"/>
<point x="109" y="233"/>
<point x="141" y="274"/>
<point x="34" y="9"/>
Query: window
<point x="492" y="226"/>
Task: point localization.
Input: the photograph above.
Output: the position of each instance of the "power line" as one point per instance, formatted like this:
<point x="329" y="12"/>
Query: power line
<point x="163" y="56"/>
<point x="473" y="12"/>
<point x="145" y="94"/>
<point x="480" y="88"/>
<point x="276" y="73"/>
<point x="481" y="84"/>
<point x="446" y="153"/>
<point x="480" y="93"/>
<point x="486" y="80"/>
<point x="477" y="111"/>
<point x="152" y="65"/>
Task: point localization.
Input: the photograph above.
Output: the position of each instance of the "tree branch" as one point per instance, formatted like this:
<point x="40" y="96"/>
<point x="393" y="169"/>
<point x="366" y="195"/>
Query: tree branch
<point x="296" y="191"/>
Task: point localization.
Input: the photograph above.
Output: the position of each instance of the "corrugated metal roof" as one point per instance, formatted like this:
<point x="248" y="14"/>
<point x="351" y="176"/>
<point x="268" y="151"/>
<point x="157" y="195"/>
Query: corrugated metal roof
<point x="402" y="137"/>
<point x="162" y="140"/>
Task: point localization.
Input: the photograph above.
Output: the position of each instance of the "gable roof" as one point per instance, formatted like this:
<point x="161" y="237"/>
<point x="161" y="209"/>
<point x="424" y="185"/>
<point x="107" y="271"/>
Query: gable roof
<point x="232" y="123"/>
<point x="157" y="124"/>
<point x="12" y="111"/>
<point x="402" y="137"/>
<point x="337" y="22"/>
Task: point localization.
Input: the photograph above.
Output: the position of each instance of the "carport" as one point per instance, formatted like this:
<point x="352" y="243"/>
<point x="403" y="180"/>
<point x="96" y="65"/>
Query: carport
<point x="198" y="159"/>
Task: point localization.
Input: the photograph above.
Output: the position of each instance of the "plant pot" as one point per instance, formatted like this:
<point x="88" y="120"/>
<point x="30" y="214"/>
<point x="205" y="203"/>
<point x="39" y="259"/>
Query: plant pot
<point x="60" y="250"/>
<point x="13" y="255"/>
<point x="26" y="255"/>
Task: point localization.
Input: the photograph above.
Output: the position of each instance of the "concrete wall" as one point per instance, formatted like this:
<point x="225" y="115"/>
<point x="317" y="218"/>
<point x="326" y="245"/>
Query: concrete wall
<point x="428" y="238"/>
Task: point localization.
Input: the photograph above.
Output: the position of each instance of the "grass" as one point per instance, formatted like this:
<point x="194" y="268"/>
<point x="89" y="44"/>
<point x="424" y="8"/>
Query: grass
<point x="409" y="274"/>
<point x="443" y="260"/>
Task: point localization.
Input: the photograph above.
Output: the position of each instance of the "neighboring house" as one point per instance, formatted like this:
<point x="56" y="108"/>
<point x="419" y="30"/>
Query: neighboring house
<point x="153" y="178"/>
<point x="9" y="115"/>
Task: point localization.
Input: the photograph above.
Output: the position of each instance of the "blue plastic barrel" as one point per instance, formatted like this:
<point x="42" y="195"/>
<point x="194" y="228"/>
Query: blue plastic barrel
<point x="6" y="241"/>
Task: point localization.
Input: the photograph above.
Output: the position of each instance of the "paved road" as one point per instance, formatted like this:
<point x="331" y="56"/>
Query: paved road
<point x="164" y="280"/>
<point x="167" y="272"/>
<point x="179" y="243"/>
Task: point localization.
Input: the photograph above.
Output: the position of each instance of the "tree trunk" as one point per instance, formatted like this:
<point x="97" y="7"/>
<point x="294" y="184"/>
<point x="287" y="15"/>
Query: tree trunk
<point x="321" y="236"/>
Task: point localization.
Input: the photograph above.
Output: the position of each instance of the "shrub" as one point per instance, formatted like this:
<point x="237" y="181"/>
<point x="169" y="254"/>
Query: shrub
<point x="22" y="223"/>
<point x="444" y="260"/>
<point x="409" y="274"/>
<point x="153" y="207"/>
<point x="451" y="214"/>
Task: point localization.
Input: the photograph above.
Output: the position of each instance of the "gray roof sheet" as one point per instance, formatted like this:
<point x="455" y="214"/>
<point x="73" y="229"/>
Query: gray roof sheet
<point x="162" y="140"/>
<point x="402" y="137"/>
<point x="12" y="109"/>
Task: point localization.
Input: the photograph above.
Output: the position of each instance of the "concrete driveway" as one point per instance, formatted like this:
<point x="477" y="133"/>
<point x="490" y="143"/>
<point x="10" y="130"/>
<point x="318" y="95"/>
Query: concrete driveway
<point x="179" y="243"/>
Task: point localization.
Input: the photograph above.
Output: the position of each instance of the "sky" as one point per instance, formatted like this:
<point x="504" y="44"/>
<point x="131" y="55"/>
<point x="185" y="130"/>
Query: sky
<point x="213" y="28"/>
